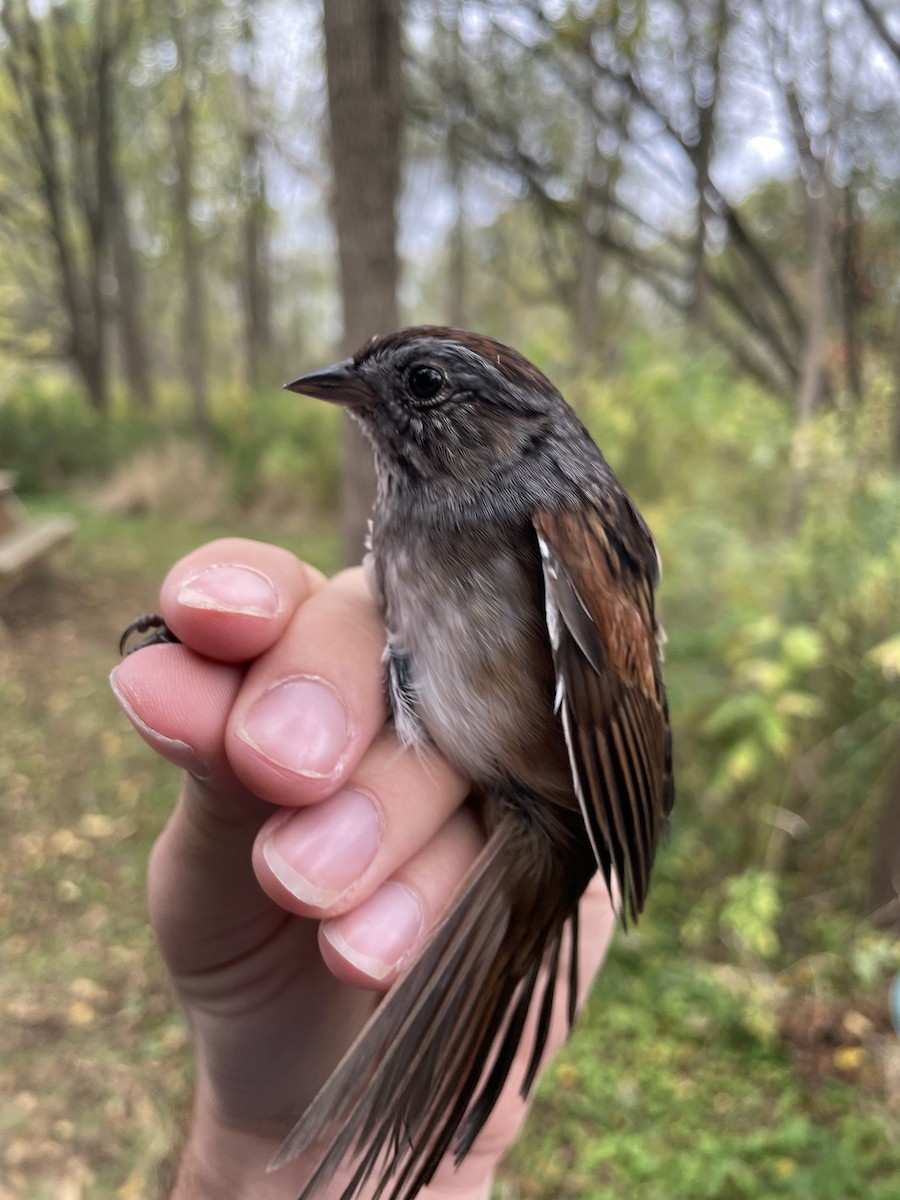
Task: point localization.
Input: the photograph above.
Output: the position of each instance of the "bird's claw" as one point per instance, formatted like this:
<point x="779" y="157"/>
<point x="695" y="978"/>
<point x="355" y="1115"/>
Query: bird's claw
<point x="160" y="635"/>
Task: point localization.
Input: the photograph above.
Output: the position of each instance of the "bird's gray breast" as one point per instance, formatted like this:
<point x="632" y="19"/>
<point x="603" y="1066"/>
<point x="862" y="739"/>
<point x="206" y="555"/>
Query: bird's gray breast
<point x="466" y="644"/>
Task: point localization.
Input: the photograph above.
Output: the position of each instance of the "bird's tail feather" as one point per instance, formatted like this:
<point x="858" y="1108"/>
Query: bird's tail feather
<point x="404" y="1090"/>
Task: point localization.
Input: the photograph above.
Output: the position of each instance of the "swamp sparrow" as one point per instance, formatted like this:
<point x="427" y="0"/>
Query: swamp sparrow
<point x="516" y="580"/>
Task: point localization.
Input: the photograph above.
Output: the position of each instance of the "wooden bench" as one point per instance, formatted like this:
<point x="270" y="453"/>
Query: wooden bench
<point x="25" y="540"/>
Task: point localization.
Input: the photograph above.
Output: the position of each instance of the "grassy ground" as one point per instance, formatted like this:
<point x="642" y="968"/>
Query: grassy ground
<point x="686" y="1081"/>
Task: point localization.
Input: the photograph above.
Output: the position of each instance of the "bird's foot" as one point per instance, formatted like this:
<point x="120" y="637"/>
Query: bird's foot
<point x="160" y="635"/>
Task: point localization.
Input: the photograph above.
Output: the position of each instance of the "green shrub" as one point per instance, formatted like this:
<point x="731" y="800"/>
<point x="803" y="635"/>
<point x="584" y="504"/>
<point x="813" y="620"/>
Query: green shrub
<point x="270" y="445"/>
<point x="282" y="444"/>
<point x="51" y="436"/>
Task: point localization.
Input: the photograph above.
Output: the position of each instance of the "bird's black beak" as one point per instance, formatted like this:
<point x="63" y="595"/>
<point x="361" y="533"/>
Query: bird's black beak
<point x="340" y="384"/>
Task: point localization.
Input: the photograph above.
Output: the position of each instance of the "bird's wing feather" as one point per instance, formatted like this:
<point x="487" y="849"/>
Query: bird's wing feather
<point x="599" y="570"/>
<point x="425" y="1073"/>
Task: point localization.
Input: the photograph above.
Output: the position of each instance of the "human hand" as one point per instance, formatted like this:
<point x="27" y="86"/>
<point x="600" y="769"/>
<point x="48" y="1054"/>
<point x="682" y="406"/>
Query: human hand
<point x="308" y="856"/>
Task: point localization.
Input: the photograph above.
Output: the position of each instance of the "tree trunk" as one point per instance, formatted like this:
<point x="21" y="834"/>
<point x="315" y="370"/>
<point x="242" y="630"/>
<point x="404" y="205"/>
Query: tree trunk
<point x="705" y="99"/>
<point x="587" y="284"/>
<point x="362" y="54"/>
<point x="848" y="294"/>
<point x="193" y="324"/>
<point x="129" y="296"/>
<point x="70" y="211"/>
<point x="875" y="16"/>
<point x="115" y="251"/>
<point x="257" y="324"/>
<point x="812" y="363"/>
<point x="456" y="266"/>
<point x="257" y="308"/>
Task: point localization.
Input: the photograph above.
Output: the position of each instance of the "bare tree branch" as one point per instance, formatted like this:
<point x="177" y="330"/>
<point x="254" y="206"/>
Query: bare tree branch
<point x="880" y="24"/>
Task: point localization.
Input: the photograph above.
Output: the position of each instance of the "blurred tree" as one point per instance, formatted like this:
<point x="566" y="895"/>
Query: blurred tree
<point x="705" y="29"/>
<point x="799" y="40"/>
<point x="63" y="66"/>
<point x="644" y="84"/>
<point x="189" y="31"/>
<point x="254" y="201"/>
<point x="362" y="53"/>
<point x="878" y="19"/>
<point x="449" y="49"/>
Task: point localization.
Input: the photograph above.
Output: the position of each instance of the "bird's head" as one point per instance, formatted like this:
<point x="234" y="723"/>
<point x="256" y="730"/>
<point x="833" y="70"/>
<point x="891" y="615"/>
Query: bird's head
<point x="442" y="407"/>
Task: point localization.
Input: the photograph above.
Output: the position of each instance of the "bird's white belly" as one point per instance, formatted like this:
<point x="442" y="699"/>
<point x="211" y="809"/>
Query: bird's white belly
<point x="455" y="635"/>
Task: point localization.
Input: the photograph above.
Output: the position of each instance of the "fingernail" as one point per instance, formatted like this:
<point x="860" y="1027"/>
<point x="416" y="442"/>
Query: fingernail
<point x="321" y="850"/>
<point x="173" y="749"/>
<point x="379" y="934"/>
<point x="300" y="725"/>
<point x="226" y="587"/>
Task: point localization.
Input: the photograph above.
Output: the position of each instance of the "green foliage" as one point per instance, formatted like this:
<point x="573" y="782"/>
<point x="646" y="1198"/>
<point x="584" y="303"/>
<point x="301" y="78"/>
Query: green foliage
<point x="283" y="445"/>
<point x="270" y="447"/>
<point x="51" y="436"/>
<point x="750" y="913"/>
<point x="782" y="648"/>
<point x="675" y="1088"/>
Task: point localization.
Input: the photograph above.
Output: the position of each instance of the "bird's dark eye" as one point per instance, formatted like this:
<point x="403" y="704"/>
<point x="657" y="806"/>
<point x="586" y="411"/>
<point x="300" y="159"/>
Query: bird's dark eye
<point x="424" y="382"/>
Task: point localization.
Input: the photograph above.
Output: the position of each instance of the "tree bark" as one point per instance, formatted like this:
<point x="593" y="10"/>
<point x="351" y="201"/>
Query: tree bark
<point x="129" y="297"/>
<point x="892" y="43"/>
<point x="194" y="322"/>
<point x="456" y="265"/>
<point x="705" y="102"/>
<point x="257" y="307"/>
<point x="587" y="282"/>
<point x="362" y="54"/>
<point x="111" y="31"/>
<point x="848" y="294"/>
<point x="592" y="209"/>
<point x="812" y="364"/>
<point x="67" y="183"/>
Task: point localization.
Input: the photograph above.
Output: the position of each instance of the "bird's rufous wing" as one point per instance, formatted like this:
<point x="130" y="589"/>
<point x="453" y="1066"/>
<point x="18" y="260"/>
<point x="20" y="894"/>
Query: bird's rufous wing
<point x="599" y="570"/>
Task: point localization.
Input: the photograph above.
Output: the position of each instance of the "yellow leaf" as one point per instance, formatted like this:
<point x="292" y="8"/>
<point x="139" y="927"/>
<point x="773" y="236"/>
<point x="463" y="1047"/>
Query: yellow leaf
<point x="110" y="743"/>
<point x="849" y="1058"/>
<point x="80" y="1013"/>
<point x="67" y="844"/>
<point x="57" y="703"/>
<point x="785" y="1167"/>
<point x="856" y="1024"/>
<point x="134" y="1187"/>
<point x="68" y="891"/>
<point x="97" y="825"/>
<point x="886" y="655"/>
<point x="27" y="1101"/>
<point x="86" y="989"/>
<point x="127" y="793"/>
<point x="174" y="1038"/>
<point x="568" y="1075"/>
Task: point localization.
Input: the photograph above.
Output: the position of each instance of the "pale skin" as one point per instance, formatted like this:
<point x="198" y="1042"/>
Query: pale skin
<point x="306" y="859"/>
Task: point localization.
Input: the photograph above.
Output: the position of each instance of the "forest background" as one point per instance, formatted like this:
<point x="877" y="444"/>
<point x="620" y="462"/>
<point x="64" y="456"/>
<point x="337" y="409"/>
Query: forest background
<point x="687" y="213"/>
